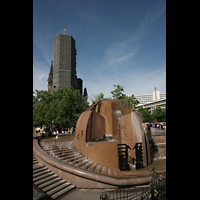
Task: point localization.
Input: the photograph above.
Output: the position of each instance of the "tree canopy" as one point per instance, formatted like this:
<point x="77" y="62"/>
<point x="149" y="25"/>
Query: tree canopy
<point x="98" y="98"/>
<point x="117" y="93"/>
<point x="145" y="114"/>
<point x="158" y="115"/>
<point x="68" y="105"/>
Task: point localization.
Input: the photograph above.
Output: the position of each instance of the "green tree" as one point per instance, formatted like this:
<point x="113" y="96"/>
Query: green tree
<point x="98" y="98"/>
<point x="117" y="93"/>
<point x="164" y="114"/>
<point x="159" y="115"/>
<point x="131" y="100"/>
<point x="42" y="101"/>
<point x="145" y="114"/>
<point x="68" y="105"/>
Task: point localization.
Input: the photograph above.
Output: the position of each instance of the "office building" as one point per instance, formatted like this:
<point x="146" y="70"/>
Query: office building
<point x="147" y="98"/>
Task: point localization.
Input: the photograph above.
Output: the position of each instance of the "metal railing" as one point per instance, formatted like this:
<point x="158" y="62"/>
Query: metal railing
<point x="124" y="194"/>
<point x="156" y="190"/>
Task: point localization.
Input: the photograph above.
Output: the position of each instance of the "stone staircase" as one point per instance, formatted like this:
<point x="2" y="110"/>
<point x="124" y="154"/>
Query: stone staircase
<point x="65" y="151"/>
<point x="49" y="182"/>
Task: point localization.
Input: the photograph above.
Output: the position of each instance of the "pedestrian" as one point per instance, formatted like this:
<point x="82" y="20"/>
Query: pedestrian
<point x="41" y="131"/>
<point x="68" y="131"/>
<point x="72" y="129"/>
<point x="56" y="131"/>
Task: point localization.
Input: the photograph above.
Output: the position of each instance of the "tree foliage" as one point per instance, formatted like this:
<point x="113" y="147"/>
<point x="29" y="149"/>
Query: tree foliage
<point x="42" y="102"/>
<point x="68" y="105"/>
<point x="159" y="115"/>
<point x="98" y="98"/>
<point x="117" y="93"/>
<point x="145" y="114"/>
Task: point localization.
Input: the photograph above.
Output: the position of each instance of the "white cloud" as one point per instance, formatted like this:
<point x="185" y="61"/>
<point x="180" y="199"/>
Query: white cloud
<point x="134" y="81"/>
<point x="40" y="76"/>
<point x="142" y="82"/>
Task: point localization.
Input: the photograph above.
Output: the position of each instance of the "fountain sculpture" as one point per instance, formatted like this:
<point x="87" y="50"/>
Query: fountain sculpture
<point x="110" y="133"/>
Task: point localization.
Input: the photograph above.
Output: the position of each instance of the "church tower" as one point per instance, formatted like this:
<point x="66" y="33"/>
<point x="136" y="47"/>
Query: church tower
<point x="50" y="79"/>
<point x="64" y="69"/>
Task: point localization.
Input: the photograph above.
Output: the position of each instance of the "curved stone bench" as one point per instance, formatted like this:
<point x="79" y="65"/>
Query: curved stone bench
<point x="84" y="178"/>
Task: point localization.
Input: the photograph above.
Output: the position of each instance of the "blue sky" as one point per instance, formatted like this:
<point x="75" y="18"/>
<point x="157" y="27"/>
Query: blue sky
<point x="121" y="42"/>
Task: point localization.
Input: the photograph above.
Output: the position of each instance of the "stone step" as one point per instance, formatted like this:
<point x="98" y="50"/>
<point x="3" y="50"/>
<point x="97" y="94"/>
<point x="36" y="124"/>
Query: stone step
<point x="41" y="173"/>
<point x="73" y="158"/>
<point x="93" y="167"/>
<point x="88" y="165"/>
<point x="63" y="191"/>
<point x="49" y="182"/>
<point x="70" y="156"/>
<point x="98" y="169"/>
<point x="52" y="186"/>
<point x="63" y="157"/>
<point x="82" y="163"/>
<point x="60" y="152"/>
<point x="57" y="189"/>
<point x="45" y="179"/>
<point x="77" y="160"/>
<point x="37" y="166"/>
<point x="110" y="172"/>
<point x="42" y="176"/>
<point x="104" y="170"/>
<point x="35" y="162"/>
<point x="67" y="154"/>
<point x="40" y="169"/>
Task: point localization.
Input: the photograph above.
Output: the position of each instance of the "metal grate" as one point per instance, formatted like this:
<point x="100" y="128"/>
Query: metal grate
<point x="139" y="155"/>
<point x="123" y="156"/>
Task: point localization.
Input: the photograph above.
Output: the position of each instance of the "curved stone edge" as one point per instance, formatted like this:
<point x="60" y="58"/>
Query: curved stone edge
<point x="63" y="166"/>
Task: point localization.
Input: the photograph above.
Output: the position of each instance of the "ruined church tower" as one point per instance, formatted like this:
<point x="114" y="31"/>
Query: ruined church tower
<point x="50" y="78"/>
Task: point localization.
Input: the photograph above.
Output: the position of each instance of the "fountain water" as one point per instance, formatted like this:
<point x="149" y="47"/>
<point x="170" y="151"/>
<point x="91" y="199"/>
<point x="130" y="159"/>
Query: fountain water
<point x="121" y="127"/>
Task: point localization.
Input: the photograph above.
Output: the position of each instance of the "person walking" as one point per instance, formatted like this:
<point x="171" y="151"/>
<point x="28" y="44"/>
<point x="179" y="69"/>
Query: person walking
<point x="72" y="130"/>
<point x="40" y="133"/>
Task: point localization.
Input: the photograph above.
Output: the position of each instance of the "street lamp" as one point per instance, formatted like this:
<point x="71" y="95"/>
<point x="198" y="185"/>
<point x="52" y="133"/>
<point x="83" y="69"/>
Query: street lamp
<point x="53" y="110"/>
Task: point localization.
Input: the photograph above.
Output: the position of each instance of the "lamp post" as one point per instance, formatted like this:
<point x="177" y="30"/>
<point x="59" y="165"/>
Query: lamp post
<point x="53" y="110"/>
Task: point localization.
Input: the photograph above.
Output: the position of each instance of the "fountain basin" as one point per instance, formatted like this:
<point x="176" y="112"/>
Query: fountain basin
<point x="89" y="179"/>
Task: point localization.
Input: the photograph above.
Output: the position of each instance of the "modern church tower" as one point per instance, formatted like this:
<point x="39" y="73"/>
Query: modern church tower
<point x="64" y="69"/>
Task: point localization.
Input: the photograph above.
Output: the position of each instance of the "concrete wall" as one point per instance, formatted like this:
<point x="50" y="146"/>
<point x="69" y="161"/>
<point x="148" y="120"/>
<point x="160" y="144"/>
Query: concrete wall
<point x="159" y="137"/>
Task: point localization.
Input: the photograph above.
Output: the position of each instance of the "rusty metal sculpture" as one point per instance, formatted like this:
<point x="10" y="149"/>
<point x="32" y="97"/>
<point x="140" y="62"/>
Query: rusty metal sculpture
<point x="110" y="133"/>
